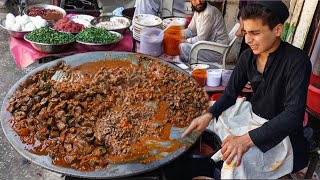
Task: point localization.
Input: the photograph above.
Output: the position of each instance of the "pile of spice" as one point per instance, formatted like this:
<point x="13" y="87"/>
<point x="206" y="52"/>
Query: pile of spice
<point x="67" y="25"/>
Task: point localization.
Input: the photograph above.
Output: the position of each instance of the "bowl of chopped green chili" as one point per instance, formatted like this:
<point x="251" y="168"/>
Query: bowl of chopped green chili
<point x="98" y="36"/>
<point x="49" y="41"/>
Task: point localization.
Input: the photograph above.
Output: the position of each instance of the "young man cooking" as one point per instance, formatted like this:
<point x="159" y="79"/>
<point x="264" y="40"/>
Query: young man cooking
<point x="279" y="74"/>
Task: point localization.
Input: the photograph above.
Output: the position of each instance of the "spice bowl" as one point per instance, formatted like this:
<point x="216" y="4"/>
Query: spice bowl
<point x="200" y="76"/>
<point x="112" y="23"/>
<point x="46" y="11"/>
<point x="119" y="38"/>
<point x="49" y="48"/>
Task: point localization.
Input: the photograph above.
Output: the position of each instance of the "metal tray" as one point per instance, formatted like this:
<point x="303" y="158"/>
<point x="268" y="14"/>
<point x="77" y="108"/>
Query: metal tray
<point x="111" y="171"/>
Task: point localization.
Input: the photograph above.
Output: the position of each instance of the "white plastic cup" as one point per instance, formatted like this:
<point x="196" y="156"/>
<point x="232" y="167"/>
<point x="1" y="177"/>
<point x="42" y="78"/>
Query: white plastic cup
<point x="225" y="76"/>
<point x="214" y="77"/>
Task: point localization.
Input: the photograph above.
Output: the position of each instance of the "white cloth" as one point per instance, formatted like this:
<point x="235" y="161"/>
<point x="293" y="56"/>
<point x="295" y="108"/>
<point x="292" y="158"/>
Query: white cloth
<point x="161" y="8"/>
<point x="275" y="163"/>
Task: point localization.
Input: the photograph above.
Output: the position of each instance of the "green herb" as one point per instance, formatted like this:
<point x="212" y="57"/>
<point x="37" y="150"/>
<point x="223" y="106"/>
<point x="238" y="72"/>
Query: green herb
<point x="96" y="35"/>
<point x="47" y="86"/>
<point x="44" y="77"/>
<point x="50" y="36"/>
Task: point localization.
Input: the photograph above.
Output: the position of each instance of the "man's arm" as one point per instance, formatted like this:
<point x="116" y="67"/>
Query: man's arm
<point x="191" y="30"/>
<point x="236" y="83"/>
<point x="275" y="130"/>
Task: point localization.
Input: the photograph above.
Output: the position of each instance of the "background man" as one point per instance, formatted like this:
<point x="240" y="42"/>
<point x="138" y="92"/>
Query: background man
<point x="207" y="24"/>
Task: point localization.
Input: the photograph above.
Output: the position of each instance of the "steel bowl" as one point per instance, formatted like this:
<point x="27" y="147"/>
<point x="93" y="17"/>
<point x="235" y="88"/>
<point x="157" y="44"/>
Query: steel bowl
<point x="49" y="48"/>
<point x="16" y="34"/>
<point x="46" y="6"/>
<point x="120" y="37"/>
<point x="123" y="20"/>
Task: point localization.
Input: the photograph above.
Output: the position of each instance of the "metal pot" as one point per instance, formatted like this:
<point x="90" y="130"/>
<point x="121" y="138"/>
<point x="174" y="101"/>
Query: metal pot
<point x="191" y="165"/>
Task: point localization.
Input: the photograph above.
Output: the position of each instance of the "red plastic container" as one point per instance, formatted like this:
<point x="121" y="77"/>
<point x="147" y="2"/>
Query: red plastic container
<point x="313" y="99"/>
<point x="215" y="96"/>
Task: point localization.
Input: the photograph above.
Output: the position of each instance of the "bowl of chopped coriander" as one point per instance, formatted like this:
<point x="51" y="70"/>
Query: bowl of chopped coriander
<point x="49" y="41"/>
<point x="98" y="37"/>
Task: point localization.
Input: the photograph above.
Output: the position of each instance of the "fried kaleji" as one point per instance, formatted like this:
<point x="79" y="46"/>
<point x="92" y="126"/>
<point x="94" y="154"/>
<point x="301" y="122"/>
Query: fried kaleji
<point x="103" y="112"/>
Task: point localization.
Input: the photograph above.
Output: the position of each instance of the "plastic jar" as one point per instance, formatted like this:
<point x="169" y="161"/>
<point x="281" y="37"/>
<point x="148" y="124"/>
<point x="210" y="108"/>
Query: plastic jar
<point x="172" y="39"/>
<point x="151" y="41"/>
<point x="214" y="77"/>
<point x="225" y="76"/>
<point x="200" y="75"/>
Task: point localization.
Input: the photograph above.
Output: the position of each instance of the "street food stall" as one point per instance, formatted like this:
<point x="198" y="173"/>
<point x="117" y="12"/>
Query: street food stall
<point x="26" y="52"/>
<point x="123" y="159"/>
<point x="78" y="47"/>
<point x="99" y="111"/>
<point x="75" y="51"/>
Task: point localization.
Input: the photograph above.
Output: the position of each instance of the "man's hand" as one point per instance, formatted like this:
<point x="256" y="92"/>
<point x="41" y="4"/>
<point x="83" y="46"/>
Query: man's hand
<point x="184" y="41"/>
<point x="199" y="124"/>
<point x="235" y="145"/>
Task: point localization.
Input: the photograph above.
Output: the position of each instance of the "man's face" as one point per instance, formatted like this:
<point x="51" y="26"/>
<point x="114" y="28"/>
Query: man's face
<point x="260" y="37"/>
<point x="198" y="5"/>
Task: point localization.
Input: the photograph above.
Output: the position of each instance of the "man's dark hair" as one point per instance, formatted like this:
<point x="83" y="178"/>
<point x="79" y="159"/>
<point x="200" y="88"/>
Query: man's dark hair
<point x="257" y="11"/>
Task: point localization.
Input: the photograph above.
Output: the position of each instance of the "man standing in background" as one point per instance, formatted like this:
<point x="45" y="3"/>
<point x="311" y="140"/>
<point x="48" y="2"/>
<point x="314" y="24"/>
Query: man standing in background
<point x="161" y="8"/>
